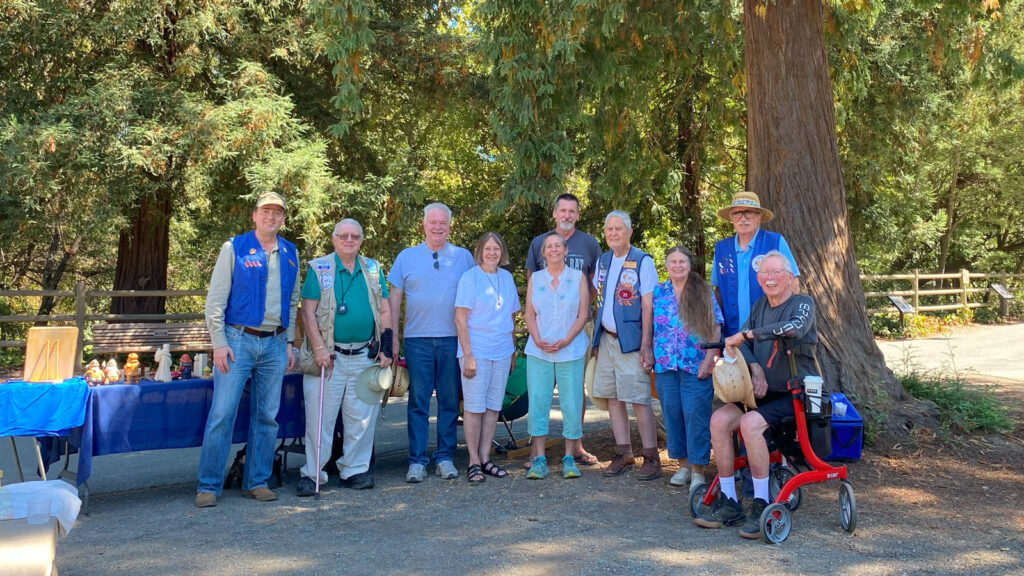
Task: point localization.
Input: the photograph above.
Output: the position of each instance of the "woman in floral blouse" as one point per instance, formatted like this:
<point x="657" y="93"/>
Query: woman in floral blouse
<point x="685" y="314"/>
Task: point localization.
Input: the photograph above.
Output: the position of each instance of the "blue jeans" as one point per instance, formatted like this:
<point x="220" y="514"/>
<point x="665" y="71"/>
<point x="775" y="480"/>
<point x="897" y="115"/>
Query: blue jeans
<point x="433" y="365"/>
<point x="686" y="409"/>
<point x="265" y="360"/>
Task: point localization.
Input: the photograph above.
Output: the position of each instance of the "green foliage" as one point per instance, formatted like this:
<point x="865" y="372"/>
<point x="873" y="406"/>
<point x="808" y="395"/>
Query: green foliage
<point x="964" y="407"/>
<point x="919" y="325"/>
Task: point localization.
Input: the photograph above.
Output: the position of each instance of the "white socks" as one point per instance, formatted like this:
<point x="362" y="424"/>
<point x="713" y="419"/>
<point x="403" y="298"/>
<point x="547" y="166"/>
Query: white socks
<point x="728" y="486"/>
<point x="761" y="489"/>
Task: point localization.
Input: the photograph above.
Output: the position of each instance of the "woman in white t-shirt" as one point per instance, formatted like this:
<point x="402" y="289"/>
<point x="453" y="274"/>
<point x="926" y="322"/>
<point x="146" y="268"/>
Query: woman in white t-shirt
<point x="556" y="310"/>
<point x="485" y="303"/>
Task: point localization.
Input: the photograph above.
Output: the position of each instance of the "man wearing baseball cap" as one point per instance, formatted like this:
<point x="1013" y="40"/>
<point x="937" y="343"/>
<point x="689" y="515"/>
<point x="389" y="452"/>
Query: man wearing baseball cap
<point x="250" y="312"/>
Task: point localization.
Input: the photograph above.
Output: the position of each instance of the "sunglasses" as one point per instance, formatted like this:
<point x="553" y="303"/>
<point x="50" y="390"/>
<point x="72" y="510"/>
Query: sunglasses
<point x="744" y="214"/>
<point x="437" y="265"/>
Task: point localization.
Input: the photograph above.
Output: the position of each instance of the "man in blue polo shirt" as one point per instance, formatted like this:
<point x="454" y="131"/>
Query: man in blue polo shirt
<point x="427" y="277"/>
<point x="737" y="259"/>
<point x="250" y="312"/>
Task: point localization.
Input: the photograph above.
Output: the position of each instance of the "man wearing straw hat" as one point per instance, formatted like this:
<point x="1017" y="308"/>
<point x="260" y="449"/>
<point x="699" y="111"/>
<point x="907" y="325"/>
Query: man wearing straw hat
<point x="347" y="320"/>
<point x="250" y="312"/>
<point x="780" y="321"/>
<point x="737" y="259"/>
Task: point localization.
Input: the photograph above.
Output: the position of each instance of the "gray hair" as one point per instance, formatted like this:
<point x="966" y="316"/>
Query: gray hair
<point x="351" y="221"/>
<point x="437" y="206"/>
<point x="619" y="214"/>
<point x="786" y="265"/>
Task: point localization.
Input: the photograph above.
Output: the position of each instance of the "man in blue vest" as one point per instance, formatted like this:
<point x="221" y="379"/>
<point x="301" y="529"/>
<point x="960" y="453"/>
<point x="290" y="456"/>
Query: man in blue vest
<point x="735" y="265"/>
<point x="623" y="330"/>
<point x="737" y="259"/>
<point x="250" y="312"/>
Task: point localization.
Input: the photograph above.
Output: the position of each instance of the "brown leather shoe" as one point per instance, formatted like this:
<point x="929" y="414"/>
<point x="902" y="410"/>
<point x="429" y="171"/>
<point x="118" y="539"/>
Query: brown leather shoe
<point x="651" y="467"/>
<point x="205" y="500"/>
<point x="622" y="461"/>
<point x="263" y="494"/>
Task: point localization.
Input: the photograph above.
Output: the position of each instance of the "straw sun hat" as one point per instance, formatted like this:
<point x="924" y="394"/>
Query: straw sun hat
<point x="746" y="200"/>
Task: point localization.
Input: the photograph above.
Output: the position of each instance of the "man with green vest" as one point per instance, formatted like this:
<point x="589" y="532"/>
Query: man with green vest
<point x="250" y="312"/>
<point x="347" y="320"/>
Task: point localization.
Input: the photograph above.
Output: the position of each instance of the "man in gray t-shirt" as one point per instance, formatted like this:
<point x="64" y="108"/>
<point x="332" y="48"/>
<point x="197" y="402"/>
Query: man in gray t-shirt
<point x="583" y="252"/>
<point x="427" y="276"/>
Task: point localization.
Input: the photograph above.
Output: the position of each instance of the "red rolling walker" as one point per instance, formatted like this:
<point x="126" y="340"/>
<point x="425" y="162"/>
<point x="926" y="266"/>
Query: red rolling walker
<point x="792" y="450"/>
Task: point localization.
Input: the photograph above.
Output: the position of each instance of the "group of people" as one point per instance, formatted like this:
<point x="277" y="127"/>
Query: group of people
<point x="456" y="333"/>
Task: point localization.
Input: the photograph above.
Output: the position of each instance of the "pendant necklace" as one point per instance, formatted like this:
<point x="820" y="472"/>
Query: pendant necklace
<point x="497" y="293"/>
<point x="342" y="307"/>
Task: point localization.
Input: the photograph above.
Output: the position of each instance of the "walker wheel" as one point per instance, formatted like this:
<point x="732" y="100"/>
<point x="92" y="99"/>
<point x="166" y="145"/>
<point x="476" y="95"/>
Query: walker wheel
<point x="777" y="479"/>
<point x="847" y="507"/>
<point x="697" y="506"/>
<point x="776" y="522"/>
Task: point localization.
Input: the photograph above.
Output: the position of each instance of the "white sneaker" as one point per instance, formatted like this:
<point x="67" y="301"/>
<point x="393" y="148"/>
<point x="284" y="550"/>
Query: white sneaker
<point x="445" y="469"/>
<point x="695" y="481"/>
<point x="680" y="477"/>
<point x="416" y="473"/>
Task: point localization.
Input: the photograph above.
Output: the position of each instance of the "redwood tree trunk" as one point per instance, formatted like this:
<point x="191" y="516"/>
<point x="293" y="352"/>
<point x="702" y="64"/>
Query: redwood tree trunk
<point x="142" y="255"/>
<point x="793" y="166"/>
<point x="689" y="189"/>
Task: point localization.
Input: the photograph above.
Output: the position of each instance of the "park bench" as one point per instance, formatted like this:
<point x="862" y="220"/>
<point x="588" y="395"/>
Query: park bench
<point x="147" y="338"/>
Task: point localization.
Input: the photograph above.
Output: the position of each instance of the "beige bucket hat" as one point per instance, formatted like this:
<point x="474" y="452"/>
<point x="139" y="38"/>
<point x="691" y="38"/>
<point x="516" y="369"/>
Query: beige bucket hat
<point x="588" y="383"/>
<point x="732" y="382"/>
<point x="372" y="383"/>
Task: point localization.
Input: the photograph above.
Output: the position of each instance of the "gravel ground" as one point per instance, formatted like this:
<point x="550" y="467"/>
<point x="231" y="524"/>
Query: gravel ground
<point x="936" y="505"/>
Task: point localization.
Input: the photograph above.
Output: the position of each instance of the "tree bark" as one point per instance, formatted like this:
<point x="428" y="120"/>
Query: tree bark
<point x="689" y="188"/>
<point x="142" y="254"/>
<point x="793" y="166"/>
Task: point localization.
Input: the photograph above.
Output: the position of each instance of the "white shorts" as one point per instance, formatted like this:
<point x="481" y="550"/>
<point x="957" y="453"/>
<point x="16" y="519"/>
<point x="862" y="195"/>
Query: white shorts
<point x="486" y="390"/>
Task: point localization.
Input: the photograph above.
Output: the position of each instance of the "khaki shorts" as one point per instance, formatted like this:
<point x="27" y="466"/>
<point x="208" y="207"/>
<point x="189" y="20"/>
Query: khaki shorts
<point x="619" y="375"/>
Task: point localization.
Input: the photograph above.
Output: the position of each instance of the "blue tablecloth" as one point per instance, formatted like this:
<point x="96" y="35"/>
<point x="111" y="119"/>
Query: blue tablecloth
<point x="41" y="408"/>
<point x="159" y="415"/>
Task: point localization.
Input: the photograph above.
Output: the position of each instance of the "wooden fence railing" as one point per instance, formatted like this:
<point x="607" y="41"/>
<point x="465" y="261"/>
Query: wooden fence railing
<point x="965" y="290"/>
<point x="951" y="291"/>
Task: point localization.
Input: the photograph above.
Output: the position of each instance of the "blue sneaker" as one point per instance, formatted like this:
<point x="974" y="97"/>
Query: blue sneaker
<point x="569" y="469"/>
<point x="539" y="469"/>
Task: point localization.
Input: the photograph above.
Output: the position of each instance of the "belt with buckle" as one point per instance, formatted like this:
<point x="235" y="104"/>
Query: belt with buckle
<point x="351" y="351"/>
<point x="259" y="333"/>
<point x="610" y="333"/>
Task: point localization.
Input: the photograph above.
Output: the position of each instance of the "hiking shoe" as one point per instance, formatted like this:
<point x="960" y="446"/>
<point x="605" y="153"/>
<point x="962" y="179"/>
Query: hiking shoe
<point x="305" y="488"/>
<point x="206" y="500"/>
<point x="681" y="477"/>
<point x="539" y="469"/>
<point x="569" y="469"/>
<point x="651" y="468"/>
<point x="263" y="494"/>
<point x="417" y="473"/>
<point x="361" y="481"/>
<point x="724" y="511"/>
<point x="620" y="463"/>
<point x="445" y="469"/>
<point x="752" y="528"/>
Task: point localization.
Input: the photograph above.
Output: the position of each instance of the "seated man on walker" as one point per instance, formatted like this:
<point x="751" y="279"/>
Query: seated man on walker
<point x="779" y="321"/>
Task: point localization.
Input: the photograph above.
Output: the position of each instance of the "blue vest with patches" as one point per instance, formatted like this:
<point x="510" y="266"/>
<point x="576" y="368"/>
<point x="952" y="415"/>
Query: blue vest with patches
<point x="247" y="301"/>
<point x="728" y="282"/>
<point x="627" y="308"/>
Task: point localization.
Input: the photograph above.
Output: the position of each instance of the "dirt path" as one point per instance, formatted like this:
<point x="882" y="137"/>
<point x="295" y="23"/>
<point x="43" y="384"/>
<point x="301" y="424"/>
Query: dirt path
<point x="933" y="507"/>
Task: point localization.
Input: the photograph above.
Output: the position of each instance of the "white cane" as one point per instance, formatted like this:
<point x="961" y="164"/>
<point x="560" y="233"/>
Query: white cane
<point x="319" y="434"/>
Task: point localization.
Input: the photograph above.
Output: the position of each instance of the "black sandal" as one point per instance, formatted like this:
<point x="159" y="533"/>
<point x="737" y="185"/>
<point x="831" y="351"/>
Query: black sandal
<point x="474" y="474"/>
<point x="492" y="469"/>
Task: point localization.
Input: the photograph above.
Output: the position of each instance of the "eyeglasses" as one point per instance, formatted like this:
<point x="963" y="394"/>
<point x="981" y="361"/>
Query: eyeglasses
<point x="744" y="215"/>
<point x="345" y="236"/>
<point x="772" y="273"/>
<point x="437" y="265"/>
